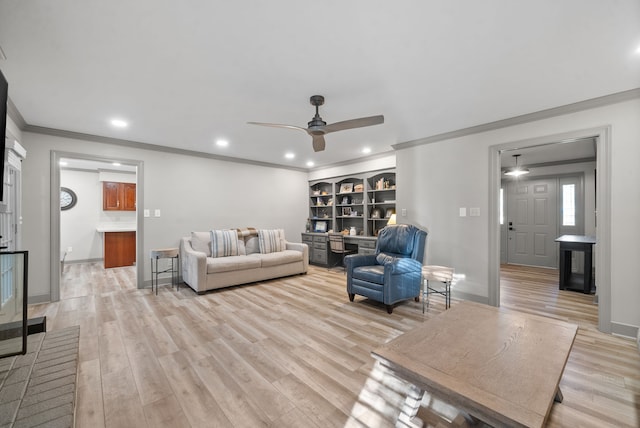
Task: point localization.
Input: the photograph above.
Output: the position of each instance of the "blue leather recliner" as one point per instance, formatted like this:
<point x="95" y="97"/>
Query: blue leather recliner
<point x="394" y="272"/>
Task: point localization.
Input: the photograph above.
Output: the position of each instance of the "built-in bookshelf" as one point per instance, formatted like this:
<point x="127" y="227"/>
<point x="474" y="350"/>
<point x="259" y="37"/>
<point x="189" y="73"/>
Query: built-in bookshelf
<point x="381" y="200"/>
<point x="350" y="204"/>
<point x="321" y="201"/>
<point x="363" y="202"/>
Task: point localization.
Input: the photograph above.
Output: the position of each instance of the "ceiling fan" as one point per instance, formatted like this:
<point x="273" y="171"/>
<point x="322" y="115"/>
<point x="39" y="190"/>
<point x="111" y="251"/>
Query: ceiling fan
<point x="317" y="128"/>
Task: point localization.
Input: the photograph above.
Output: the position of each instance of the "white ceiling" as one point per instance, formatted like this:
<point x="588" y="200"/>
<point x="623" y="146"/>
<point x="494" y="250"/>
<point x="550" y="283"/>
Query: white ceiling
<point x="187" y="73"/>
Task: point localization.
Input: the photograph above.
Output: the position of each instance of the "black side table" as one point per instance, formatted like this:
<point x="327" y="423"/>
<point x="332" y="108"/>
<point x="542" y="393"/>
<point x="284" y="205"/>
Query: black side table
<point x="166" y="253"/>
<point x="569" y="243"/>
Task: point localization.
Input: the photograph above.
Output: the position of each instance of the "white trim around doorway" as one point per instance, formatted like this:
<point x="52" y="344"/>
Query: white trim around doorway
<point x="54" y="249"/>
<point x="602" y="136"/>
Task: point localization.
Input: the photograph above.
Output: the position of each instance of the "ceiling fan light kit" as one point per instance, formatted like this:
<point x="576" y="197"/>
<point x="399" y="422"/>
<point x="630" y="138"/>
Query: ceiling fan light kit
<point x="516" y="171"/>
<point x="318" y="128"/>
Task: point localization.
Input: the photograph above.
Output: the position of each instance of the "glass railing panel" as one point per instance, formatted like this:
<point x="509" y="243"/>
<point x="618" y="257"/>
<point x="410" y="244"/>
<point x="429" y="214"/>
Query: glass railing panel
<point x="13" y="302"/>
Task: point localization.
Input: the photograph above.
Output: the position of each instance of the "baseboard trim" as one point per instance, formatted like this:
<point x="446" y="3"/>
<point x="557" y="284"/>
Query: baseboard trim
<point x="41" y="298"/>
<point x="461" y="295"/>
<point x="625" y="330"/>
<point x="74" y="262"/>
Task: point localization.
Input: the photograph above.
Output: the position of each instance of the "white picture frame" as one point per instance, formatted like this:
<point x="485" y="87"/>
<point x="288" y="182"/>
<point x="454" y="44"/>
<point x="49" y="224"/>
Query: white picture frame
<point x="346" y="188"/>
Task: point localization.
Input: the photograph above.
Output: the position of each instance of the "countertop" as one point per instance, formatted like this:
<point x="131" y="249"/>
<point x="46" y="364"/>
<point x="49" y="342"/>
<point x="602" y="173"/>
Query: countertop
<point x="116" y="227"/>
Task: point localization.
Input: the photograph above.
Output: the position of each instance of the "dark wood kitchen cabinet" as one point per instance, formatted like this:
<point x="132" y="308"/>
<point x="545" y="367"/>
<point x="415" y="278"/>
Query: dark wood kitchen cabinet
<point x="118" y="196"/>
<point x="119" y="249"/>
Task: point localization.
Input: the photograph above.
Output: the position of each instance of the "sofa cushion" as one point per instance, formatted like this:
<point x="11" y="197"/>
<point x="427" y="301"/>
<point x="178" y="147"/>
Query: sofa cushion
<point x="271" y="241"/>
<point x="280" y="258"/>
<point x="224" y="243"/>
<point x="201" y="242"/>
<point x="232" y="263"/>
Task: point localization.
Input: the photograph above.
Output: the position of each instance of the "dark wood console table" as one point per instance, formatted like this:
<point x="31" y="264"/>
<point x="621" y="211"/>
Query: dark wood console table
<point x="569" y="281"/>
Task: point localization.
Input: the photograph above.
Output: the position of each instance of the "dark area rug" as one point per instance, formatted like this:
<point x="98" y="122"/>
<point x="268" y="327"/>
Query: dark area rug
<point x="39" y="388"/>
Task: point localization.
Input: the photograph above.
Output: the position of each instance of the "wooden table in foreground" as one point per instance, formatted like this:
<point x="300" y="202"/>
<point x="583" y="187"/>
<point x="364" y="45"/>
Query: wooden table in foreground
<point x="502" y="367"/>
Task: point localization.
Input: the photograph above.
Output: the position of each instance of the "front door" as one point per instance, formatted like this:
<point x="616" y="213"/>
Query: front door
<point x="531" y="222"/>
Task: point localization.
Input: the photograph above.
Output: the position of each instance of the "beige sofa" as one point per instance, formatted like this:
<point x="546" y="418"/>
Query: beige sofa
<point x="203" y="269"/>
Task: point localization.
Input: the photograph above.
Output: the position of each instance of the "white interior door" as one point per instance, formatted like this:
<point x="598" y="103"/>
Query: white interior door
<point x="531" y="222"/>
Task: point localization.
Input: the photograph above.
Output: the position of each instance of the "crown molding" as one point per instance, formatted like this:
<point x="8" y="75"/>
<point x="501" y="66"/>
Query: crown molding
<point x="353" y="161"/>
<point x="526" y="118"/>
<point x="14" y="114"/>
<point x="605" y="100"/>
<point x="151" y="147"/>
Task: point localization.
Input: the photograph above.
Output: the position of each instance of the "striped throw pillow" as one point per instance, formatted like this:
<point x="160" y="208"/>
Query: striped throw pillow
<point x="271" y="241"/>
<point x="224" y="243"/>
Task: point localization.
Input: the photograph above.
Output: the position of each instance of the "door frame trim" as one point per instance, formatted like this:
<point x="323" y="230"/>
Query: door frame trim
<point x="54" y="185"/>
<point x="602" y="136"/>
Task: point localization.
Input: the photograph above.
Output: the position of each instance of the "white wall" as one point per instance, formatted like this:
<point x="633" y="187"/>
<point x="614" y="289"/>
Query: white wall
<point x="382" y="162"/>
<point x="13" y="131"/>
<point x="435" y="179"/>
<point x="192" y="193"/>
<point x="78" y="224"/>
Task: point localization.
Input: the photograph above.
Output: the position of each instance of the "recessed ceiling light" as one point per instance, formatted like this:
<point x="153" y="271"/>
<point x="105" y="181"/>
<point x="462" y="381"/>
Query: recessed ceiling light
<point x="116" y="164"/>
<point x="222" y="143"/>
<point x="366" y="150"/>
<point x="289" y="155"/>
<point x="119" y="123"/>
<point x="63" y="163"/>
<point x="310" y="163"/>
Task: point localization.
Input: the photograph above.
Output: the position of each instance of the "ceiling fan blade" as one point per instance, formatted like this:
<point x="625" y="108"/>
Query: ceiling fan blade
<point x="278" y="125"/>
<point x="318" y="143"/>
<point x="354" y="123"/>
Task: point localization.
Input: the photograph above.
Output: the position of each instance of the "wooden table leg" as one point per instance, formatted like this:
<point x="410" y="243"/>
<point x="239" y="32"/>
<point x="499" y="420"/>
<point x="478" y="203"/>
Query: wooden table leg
<point x="407" y="417"/>
<point x="558" y="398"/>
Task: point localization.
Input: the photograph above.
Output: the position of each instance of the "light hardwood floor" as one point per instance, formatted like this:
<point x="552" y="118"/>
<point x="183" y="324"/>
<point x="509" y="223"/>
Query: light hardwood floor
<point x="295" y="352"/>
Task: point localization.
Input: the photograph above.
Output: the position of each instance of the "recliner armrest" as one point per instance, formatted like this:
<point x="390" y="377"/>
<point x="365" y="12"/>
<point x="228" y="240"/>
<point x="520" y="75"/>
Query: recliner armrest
<point x="355" y="260"/>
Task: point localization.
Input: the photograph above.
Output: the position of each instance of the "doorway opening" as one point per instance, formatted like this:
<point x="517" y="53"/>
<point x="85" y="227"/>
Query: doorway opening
<point x="601" y="183"/>
<point x="535" y="210"/>
<point x="56" y="250"/>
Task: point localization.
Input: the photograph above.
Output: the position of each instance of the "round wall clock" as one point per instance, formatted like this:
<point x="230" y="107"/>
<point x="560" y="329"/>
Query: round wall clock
<point x="68" y="198"/>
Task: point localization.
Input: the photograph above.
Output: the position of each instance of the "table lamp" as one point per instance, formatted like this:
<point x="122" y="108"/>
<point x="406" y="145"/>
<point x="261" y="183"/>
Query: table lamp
<point x="392" y="220"/>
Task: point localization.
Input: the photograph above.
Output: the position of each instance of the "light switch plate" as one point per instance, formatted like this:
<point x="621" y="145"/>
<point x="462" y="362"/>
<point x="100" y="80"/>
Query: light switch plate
<point x="474" y="212"/>
<point x="147" y="213"/>
<point x="156" y="213"/>
<point x="463" y="212"/>
<point x="404" y="212"/>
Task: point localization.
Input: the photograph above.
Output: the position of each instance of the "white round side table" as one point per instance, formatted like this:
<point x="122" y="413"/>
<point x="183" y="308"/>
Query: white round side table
<point x="441" y="274"/>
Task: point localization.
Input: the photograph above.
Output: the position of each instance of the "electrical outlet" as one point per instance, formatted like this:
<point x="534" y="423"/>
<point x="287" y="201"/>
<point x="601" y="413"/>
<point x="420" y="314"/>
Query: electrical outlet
<point x="69" y="249"/>
<point x="474" y="212"/>
<point x="404" y="212"/>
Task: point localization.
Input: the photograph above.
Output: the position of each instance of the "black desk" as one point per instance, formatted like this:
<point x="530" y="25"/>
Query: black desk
<point x="569" y="243"/>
